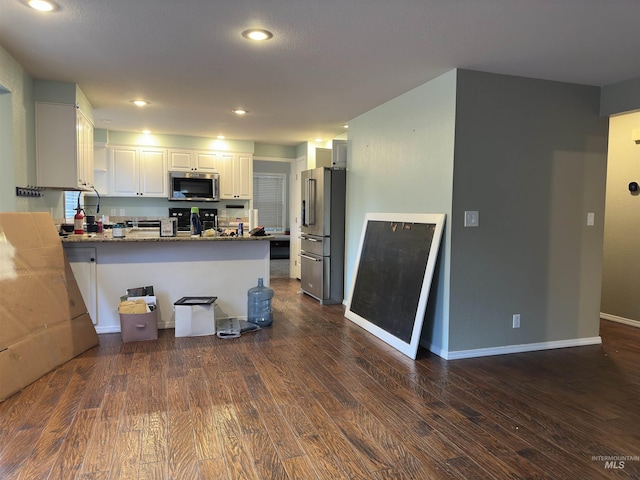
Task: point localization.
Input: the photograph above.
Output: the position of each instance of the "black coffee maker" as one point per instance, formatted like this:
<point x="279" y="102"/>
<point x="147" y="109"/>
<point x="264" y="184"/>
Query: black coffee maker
<point x="208" y="217"/>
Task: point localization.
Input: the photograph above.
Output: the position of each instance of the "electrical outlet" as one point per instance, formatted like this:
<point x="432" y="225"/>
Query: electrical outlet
<point x="122" y="212"/>
<point x="113" y="212"/>
<point x="516" y="320"/>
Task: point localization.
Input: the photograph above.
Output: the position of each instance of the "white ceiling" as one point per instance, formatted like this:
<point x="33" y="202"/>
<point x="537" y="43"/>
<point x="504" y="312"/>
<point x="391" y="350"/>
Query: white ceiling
<point x="329" y="60"/>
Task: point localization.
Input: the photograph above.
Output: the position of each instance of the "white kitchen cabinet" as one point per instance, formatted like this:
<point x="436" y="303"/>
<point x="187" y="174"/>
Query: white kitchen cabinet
<point x="64" y="147"/>
<point x="83" y="265"/>
<point x="236" y="176"/>
<point x="138" y="171"/>
<point x="101" y="168"/>
<point x="193" y="161"/>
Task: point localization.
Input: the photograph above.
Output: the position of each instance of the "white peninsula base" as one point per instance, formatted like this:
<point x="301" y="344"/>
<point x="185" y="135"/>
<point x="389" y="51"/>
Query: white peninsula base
<point x="176" y="269"/>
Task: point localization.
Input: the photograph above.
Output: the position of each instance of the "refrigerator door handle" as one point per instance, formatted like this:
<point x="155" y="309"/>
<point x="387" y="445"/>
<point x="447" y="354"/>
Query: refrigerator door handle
<point x="304" y="211"/>
<point x="315" y="259"/>
<point x="311" y="196"/>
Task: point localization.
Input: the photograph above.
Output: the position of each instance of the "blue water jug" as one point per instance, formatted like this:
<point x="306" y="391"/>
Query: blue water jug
<point x="259" y="305"/>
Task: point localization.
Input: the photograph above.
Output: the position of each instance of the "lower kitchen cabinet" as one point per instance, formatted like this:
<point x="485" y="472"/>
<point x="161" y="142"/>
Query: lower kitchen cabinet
<point x="83" y="265"/>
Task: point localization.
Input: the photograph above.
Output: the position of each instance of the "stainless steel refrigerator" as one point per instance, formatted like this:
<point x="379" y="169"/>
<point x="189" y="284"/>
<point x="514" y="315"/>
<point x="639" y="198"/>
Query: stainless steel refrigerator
<point x="322" y="234"/>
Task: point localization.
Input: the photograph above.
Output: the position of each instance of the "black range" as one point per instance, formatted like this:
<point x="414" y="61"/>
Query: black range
<point x="208" y="216"/>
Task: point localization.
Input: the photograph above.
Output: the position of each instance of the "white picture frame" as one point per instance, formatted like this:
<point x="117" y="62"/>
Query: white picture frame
<point x="389" y="291"/>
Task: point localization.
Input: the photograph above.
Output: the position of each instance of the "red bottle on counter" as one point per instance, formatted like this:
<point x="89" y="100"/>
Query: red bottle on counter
<point x="78" y="222"/>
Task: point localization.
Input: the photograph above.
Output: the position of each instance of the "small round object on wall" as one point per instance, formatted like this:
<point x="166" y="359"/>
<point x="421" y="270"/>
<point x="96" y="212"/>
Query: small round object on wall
<point x="633" y="188"/>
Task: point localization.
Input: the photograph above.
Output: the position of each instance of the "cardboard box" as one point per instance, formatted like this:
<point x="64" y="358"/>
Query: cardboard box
<point x="43" y="319"/>
<point x="195" y="316"/>
<point x="136" y="327"/>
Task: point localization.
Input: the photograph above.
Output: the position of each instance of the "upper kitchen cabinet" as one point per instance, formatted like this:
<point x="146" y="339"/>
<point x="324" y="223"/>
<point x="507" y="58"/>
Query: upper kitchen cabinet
<point x="193" y="161"/>
<point x="236" y="176"/>
<point x="138" y="171"/>
<point x="64" y="147"/>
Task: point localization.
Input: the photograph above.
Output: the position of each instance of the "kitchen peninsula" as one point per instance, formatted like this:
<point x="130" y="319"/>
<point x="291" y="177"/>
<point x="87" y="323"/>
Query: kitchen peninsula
<point x="224" y="267"/>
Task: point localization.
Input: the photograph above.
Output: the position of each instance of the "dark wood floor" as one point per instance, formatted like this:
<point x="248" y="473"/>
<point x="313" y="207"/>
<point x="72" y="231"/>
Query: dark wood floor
<point x="315" y="396"/>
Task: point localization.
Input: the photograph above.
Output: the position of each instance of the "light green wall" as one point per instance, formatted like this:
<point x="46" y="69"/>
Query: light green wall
<point x="16" y="150"/>
<point x="17" y="140"/>
<point x="7" y="197"/>
<point x="54" y="92"/>
<point x="301" y="149"/>
<point x="401" y="161"/>
<point x="179" y="141"/>
<point x="274" y="151"/>
<point x="62" y="92"/>
<point x="100" y="135"/>
<point x="621" y="257"/>
<point x="530" y="156"/>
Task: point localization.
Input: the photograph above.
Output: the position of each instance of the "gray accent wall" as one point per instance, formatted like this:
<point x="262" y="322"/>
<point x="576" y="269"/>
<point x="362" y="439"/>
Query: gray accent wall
<point x="620" y="97"/>
<point x="530" y="156"/>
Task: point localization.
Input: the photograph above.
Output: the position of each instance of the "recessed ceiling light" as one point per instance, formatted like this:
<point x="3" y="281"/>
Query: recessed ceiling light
<point x="220" y="137"/>
<point x="146" y="132"/>
<point x="318" y="139"/>
<point x="140" y="103"/>
<point x="42" y="5"/>
<point x="240" y="111"/>
<point x="257" y="34"/>
<point x="346" y="125"/>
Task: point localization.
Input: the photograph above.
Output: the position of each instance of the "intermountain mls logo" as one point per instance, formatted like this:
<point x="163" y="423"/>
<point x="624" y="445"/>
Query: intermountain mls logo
<point x="615" y="462"/>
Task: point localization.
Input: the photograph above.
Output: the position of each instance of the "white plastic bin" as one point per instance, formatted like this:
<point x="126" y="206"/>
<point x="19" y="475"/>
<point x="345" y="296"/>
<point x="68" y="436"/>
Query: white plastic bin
<point x="195" y="316"/>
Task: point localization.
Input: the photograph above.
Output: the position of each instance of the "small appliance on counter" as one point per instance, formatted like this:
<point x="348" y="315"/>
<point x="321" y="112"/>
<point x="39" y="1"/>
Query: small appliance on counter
<point x="208" y="216"/>
<point x="142" y="223"/>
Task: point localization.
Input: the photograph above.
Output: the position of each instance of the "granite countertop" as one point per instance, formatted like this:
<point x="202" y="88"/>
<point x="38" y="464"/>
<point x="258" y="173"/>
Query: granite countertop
<point x="142" y="236"/>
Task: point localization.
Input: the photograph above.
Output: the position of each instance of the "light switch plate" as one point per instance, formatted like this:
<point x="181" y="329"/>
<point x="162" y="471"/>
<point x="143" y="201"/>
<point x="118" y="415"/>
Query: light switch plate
<point x="591" y="219"/>
<point x="471" y="218"/>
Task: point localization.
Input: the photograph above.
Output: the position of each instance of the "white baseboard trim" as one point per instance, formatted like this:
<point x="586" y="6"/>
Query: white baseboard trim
<point x="438" y="351"/>
<point x="527" y="347"/>
<point x="615" y="318"/>
<point x="109" y="329"/>
<point x="116" y="328"/>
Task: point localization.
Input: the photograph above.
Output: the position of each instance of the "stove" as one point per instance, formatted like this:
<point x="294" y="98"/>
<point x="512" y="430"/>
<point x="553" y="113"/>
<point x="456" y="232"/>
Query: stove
<point x="208" y="216"/>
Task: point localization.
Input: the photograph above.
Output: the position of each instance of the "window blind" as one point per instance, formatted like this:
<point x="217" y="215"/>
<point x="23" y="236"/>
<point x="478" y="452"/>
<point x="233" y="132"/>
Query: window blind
<point x="71" y="203"/>
<point x="269" y="198"/>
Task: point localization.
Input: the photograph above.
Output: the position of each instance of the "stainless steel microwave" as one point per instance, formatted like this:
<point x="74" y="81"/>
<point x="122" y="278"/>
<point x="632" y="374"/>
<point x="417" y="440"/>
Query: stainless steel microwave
<point x="194" y="186"/>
